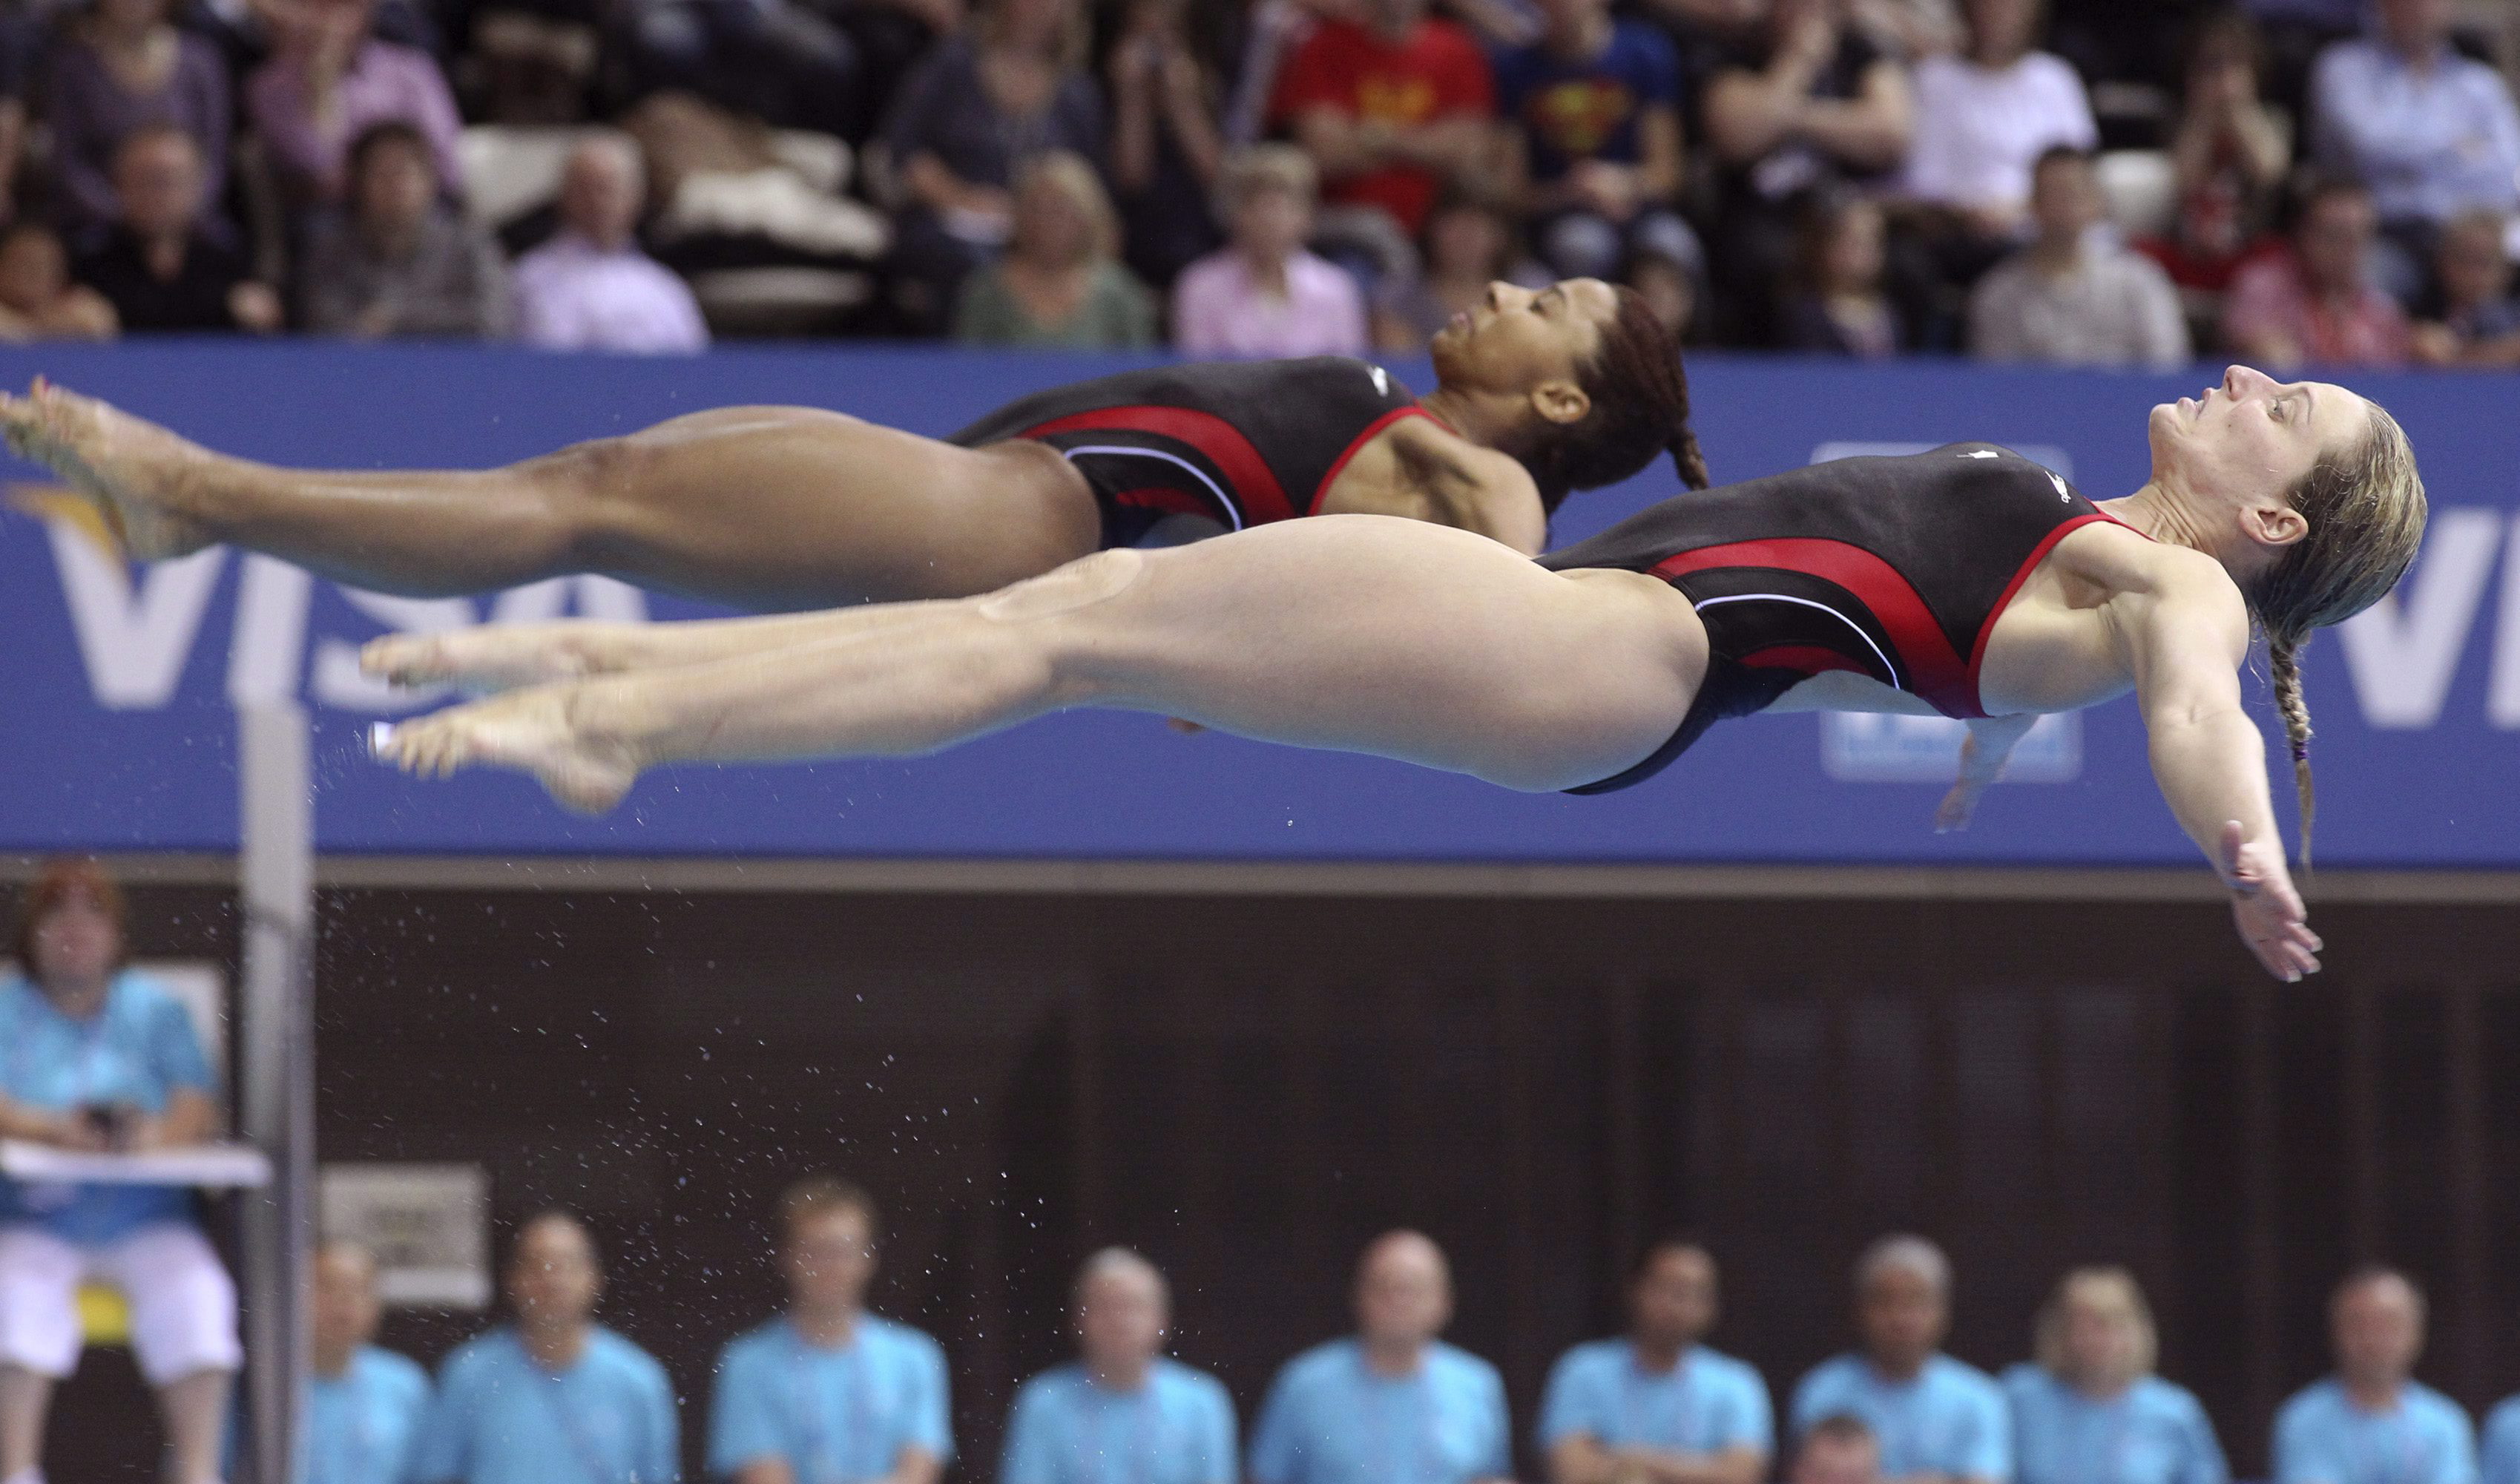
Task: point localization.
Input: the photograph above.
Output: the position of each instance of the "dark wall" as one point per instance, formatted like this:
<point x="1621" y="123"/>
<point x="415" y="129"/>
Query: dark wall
<point x="1249" y="1088"/>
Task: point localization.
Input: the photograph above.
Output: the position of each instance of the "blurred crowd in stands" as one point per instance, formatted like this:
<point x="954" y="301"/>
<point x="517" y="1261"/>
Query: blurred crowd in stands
<point x="2094" y="182"/>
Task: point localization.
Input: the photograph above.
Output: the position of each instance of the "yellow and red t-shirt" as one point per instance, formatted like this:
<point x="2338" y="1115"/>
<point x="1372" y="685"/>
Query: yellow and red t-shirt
<point x="1435" y="71"/>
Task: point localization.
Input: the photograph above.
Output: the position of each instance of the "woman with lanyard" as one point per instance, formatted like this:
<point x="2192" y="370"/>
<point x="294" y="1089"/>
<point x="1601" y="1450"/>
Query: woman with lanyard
<point x="94" y="1057"/>
<point x="555" y="1398"/>
<point x="2090" y="1410"/>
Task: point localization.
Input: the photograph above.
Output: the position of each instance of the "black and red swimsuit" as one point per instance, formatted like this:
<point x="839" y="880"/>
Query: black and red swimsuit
<point x="1239" y="443"/>
<point x="1891" y="568"/>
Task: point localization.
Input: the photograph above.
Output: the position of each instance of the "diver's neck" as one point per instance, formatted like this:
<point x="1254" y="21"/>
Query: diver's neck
<point x="2158" y="514"/>
<point x="1469" y="415"/>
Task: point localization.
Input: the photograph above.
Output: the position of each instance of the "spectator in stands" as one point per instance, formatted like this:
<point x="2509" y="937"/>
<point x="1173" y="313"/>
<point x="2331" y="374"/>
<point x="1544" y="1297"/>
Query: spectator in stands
<point x="1061" y="283"/>
<point x="1933" y="1416"/>
<point x="1124" y="1410"/>
<point x="1805" y="103"/>
<point x="828" y="1390"/>
<point x="1167" y="148"/>
<point x="2317" y="304"/>
<point x="2372" y="1423"/>
<point x="2090" y="1410"/>
<point x="1910" y="29"/>
<point x="2473" y="319"/>
<point x="1835" y="303"/>
<point x="119" y="64"/>
<point x="1263" y="294"/>
<point x="779" y="60"/>
<point x="591" y="288"/>
<point x="1392" y="106"/>
<point x="38" y="302"/>
<point x="1838" y="1449"/>
<point x="2075" y="297"/>
<point x="1659" y="1405"/>
<point x="328" y="79"/>
<point x="2500" y="1462"/>
<point x="555" y="1395"/>
<point x="156" y="264"/>
<point x="2231" y="154"/>
<point x="1468" y="245"/>
<point x="396" y="259"/>
<point x="1394" y="1405"/>
<point x="1983" y="119"/>
<point x="1672" y="288"/>
<point x="1594" y="108"/>
<point x="1013" y="87"/>
<point x="2431" y="133"/>
<point x="365" y="1406"/>
<point x="101" y="1058"/>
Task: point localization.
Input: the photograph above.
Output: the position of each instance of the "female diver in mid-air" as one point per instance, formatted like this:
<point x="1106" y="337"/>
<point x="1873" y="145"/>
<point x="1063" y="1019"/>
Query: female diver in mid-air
<point x="1967" y="581"/>
<point x="1539" y="394"/>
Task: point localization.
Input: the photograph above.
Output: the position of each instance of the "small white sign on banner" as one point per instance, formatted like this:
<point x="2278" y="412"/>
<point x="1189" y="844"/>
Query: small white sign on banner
<point x="427" y="1224"/>
<point x="1877" y="747"/>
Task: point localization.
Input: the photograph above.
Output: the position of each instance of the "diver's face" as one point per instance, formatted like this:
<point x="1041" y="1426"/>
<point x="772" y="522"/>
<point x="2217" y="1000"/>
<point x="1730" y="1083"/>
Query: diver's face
<point x="2251" y="437"/>
<point x="1516" y="339"/>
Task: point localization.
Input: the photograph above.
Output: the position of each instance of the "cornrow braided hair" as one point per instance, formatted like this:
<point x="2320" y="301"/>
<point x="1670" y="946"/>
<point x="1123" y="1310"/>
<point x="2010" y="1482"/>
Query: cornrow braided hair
<point x="1640" y="396"/>
<point x="2366" y="506"/>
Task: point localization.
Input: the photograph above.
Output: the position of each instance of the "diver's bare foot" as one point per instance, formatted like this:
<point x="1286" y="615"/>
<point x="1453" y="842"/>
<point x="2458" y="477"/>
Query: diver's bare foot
<point x="497" y="658"/>
<point x="532" y="731"/>
<point x="127" y="466"/>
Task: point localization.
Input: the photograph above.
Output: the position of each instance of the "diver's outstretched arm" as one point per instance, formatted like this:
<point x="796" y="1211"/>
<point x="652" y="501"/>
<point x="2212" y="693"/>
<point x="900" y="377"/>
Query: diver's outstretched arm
<point x="1357" y="633"/>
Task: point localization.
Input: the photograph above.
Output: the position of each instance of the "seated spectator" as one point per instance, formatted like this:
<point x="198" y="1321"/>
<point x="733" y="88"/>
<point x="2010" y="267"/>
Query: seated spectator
<point x="828" y="1390"/>
<point x="2372" y="1423"/>
<point x="1167" y="149"/>
<point x="1468" y="246"/>
<point x="365" y="1406"/>
<point x="1838" y="1449"/>
<point x="1013" y="86"/>
<point x="1805" y="103"/>
<point x="1262" y="294"/>
<point x="1594" y="108"/>
<point x="1392" y="106"/>
<point x="1334" y="1414"/>
<point x="2316" y="302"/>
<point x="156" y="264"/>
<point x="1834" y="302"/>
<point x="591" y="288"/>
<point x="1673" y="289"/>
<point x="1061" y="283"/>
<point x="1910" y="29"/>
<point x="2093" y="1379"/>
<point x="2431" y="133"/>
<point x="2473" y="320"/>
<point x="396" y="260"/>
<point x="38" y="299"/>
<point x="1983" y="119"/>
<point x="2231" y="153"/>
<point x="2500" y="1461"/>
<point x="779" y="61"/>
<point x="1659" y="1404"/>
<point x="119" y="64"/>
<point x="102" y="1058"/>
<point x="328" y="79"/>
<point x="1934" y="1418"/>
<point x="2075" y="297"/>
<point x="1124" y="1399"/>
<point x="554" y="1395"/>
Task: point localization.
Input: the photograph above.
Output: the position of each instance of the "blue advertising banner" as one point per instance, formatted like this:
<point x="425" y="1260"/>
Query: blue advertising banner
<point x="114" y="734"/>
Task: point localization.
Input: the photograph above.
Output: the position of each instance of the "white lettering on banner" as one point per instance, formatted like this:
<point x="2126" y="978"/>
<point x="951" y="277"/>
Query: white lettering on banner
<point x="2403" y="650"/>
<point x="1887" y="747"/>
<point x="270" y="636"/>
<point x="134" y="642"/>
<point x="2502" y="691"/>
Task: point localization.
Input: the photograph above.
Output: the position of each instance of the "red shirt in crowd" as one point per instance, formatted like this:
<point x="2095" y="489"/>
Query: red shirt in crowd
<point x="1434" y="71"/>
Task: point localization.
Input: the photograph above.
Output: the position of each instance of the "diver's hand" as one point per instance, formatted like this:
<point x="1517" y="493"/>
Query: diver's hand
<point x="2266" y="908"/>
<point x="1990" y="744"/>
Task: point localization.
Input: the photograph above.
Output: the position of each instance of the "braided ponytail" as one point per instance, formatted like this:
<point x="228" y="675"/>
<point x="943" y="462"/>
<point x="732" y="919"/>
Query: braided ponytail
<point x="1639" y="408"/>
<point x="2283" y="669"/>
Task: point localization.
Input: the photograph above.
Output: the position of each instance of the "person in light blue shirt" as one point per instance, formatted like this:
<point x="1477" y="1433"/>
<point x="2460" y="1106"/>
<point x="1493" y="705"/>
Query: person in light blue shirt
<point x="365" y="1406"/>
<point x="1657" y="1404"/>
<point x="827" y="1393"/>
<point x="96" y="1058"/>
<point x="2090" y="1410"/>
<point x="1124" y="1413"/>
<point x="1932" y="1416"/>
<point x="2372" y="1423"/>
<point x="2502" y="1460"/>
<point x="1394" y="1405"/>
<point x="555" y="1398"/>
<point x="2432" y="132"/>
